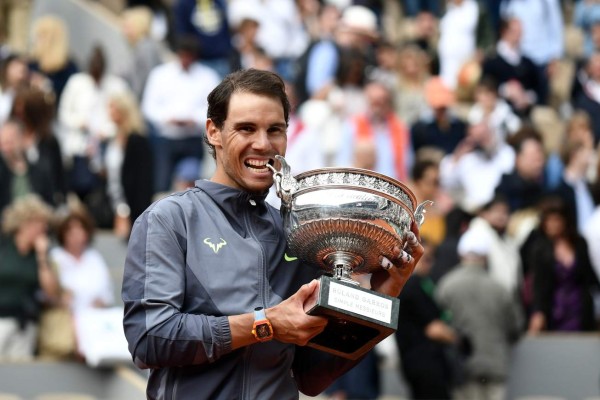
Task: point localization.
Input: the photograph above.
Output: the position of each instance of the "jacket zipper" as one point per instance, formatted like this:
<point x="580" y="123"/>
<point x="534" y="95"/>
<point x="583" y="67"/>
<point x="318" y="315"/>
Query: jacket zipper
<point x="262" y="296"/>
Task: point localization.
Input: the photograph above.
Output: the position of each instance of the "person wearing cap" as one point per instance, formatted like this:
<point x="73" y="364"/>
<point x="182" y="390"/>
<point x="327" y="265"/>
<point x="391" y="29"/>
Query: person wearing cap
<point x="486" y="313"/>
<point x="439" y="129"/>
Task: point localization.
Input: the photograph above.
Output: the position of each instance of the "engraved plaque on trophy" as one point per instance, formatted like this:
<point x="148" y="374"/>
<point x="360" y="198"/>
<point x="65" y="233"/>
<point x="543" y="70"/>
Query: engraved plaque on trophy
<point x="343" y="220"/>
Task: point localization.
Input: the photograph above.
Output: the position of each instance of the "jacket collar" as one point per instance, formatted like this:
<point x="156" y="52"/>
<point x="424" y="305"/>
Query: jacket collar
<point x="223" y="194"/>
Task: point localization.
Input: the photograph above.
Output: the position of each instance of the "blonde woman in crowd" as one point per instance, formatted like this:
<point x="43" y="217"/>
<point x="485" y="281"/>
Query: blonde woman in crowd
<point x="26" y="278"/>
<point x="50" y="52"/>
<point x="146" y="52"/>
<point x="410" y="89"/>
<point x="128" y="162"/>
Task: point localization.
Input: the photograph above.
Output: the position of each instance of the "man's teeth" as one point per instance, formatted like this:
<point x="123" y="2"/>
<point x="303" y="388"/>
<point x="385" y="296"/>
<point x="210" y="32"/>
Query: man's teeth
<point x="257" y="163"/>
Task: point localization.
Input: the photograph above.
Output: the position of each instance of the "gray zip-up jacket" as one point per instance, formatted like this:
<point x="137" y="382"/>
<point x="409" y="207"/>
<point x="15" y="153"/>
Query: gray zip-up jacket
<point x="194" y="258"/>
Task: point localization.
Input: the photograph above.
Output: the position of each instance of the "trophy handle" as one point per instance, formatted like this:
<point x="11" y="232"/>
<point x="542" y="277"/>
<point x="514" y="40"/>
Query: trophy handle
<point x="285" y="183"/>
<point x="420" y="211"/>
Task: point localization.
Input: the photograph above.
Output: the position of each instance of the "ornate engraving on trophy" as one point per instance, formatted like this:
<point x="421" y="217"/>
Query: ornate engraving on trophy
<point x="343" y="220"/>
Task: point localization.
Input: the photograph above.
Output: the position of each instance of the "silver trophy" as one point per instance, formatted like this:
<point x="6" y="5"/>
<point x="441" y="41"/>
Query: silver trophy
<point x="343" y="220"/>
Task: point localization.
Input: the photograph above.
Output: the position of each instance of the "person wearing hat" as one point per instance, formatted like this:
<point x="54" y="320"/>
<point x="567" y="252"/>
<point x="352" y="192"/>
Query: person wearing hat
<point x="486" y="313"/>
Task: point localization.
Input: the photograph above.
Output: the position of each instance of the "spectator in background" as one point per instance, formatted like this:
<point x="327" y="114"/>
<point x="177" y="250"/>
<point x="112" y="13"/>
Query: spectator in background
<point x="382" y="127"/>
<point x="86" y="124"/>
<point x="578" y="130"/>
<point x="490" y="108"/>
<point x="386" y="68"/>
<point x="328" y="19"/>
<point x="591" y="233"/>
<point x="525" y="185"/>
<point x="50" y="52"/>
<point x="472" y="172"/>
<point x="281" y="33"/>
<point x="457" y="25"/>
<point x="423" y="334"/>
<point x="207" y="22"/>
<point x="486" y="313"/>
<point x="543" y="37"/>
<point x="345" y="98"/>
<point x="35" y="109"/>
<point x="245" y="49"/>
<point x="146" y="52"/>
<point x="26" y="277"/>
<point x="162" y="27"/>
<point x="516" y="75"/>
<point x="588" y="98"/>
<point x="14" y="74"/>
<point x="426" y="186"/>
<point x="357" y="29"/>
<point x="128" y="162"/>
<point x="426" y="36"/>
<point x="586" y="14"/>
<point x="562" y="273"/>
<point x="446" y="253"/>
<point x="574" y="187"/>
<point x="441" y="129"/>
<point x="82" y="271"/>
<point x="503" y="258"/>
<point x="409" y="94"/>
<point x="175" y="104"/>
<point x="17" y="175"/>
<point x="84" y="278"/>
<point x="309" y="15"/>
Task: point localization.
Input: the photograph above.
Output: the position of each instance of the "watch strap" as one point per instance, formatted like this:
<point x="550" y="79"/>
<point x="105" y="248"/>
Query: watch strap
<point x="259" y="314"/>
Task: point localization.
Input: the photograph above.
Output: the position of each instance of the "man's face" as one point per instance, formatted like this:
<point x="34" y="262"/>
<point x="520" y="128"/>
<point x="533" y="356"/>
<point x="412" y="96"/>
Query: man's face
<point x="253" y="133"/>
<point x="513" y="32"/>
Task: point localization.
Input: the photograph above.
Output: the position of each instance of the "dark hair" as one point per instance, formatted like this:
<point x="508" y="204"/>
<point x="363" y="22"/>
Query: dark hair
<point x="187" y="44"/>
<point x="35" y="108"/>
<point x="522" y="135"/>
<point x="264" y="83"/>
<point x="97" y="63"/>
<point x="420" y="167"/>
<point x="82" y="216"/>
<point x="488" y="83"/>
<point x="498" y="198"/>
<point x="553" y="204"/>
<point x="6" y="63"/>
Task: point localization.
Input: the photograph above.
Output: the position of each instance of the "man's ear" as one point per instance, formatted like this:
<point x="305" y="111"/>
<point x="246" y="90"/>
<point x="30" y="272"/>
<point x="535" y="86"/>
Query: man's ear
<point x="213" y="133"/>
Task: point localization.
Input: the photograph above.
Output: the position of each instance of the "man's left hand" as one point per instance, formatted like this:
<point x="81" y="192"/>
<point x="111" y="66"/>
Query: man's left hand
<point x="395" y="272"/>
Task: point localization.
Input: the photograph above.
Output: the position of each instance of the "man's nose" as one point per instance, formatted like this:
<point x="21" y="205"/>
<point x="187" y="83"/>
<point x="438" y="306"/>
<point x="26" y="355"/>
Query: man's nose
<point x="261" y="140"/>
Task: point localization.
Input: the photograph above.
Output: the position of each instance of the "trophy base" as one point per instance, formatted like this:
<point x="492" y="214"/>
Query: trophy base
<point x="358" y="318"/>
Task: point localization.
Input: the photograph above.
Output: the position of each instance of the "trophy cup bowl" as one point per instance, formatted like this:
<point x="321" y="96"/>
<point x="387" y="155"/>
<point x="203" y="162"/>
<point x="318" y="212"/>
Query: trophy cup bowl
<point x="343" y="220"/>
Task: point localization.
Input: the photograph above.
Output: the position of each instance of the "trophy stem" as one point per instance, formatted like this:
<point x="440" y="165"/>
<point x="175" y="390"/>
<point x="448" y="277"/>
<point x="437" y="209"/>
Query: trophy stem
<point x="343" y="263"/>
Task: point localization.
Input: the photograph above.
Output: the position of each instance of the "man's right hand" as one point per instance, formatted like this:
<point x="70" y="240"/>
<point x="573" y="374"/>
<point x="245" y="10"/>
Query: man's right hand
<point x="290" y="322"/>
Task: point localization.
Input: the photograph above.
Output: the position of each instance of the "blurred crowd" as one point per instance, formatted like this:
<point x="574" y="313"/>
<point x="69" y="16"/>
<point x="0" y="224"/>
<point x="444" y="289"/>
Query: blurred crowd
<point x="489" y="108"/>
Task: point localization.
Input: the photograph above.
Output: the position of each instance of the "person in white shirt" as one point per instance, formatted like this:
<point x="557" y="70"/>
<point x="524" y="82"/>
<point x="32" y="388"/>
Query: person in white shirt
<point x="472" y="172"/>
<point x="83" y="274"/>
<point x="457" y="43"/>
<point x="281" y="32"/>
<point x="175" y="104"/>
<point x="489" y="107"/>
<point x="503" y="258"/>
<point x="83" y="116"/>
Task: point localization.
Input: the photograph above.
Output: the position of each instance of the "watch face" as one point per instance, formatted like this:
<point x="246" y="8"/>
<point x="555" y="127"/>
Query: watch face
<point x="263" y="331"/>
